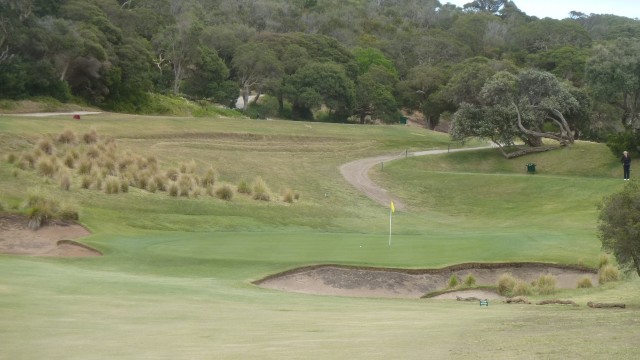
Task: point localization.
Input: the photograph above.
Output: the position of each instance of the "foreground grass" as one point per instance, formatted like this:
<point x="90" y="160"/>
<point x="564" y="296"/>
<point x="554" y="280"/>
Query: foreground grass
<point x="175" y="281"/>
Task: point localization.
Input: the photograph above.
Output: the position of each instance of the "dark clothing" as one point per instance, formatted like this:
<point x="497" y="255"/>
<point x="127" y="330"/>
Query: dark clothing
<point x="626" y="166"/>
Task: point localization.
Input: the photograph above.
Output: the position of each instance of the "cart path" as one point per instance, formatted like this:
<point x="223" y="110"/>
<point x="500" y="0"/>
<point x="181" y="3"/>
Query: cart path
<point x="356" y="173"/>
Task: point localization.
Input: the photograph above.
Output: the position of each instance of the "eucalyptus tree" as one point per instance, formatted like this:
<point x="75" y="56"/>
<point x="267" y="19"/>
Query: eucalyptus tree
<point x="614" y="76"/>
<point x="255" y="64"/>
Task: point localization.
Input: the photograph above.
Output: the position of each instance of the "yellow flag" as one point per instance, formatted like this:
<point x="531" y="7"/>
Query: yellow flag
<point x="393" y="208"/>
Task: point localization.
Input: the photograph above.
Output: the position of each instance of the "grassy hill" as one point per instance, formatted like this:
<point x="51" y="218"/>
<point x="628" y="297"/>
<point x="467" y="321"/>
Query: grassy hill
<point x="175" y="281"/>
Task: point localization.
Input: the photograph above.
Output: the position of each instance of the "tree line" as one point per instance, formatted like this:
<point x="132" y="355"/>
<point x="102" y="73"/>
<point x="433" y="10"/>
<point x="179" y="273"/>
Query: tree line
<point x="491" y="68"/>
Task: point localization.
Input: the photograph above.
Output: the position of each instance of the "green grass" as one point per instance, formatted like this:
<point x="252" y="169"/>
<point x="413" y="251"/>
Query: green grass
<point x="175" y="281"/>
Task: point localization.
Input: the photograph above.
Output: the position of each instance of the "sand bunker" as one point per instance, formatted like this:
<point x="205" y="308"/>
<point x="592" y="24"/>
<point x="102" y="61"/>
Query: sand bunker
<point x="55" y="239"/>
<point x="412" y="283"/>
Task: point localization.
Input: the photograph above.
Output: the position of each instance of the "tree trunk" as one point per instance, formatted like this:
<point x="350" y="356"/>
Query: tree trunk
<point x="245" y="97"/>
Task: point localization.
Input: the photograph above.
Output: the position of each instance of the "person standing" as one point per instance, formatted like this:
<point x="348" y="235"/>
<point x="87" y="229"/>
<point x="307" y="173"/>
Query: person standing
<point x="626" y="164"/>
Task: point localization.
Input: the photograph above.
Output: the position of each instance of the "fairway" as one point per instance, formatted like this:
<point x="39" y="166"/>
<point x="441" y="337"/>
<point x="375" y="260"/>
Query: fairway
<point x="175" y="278"/>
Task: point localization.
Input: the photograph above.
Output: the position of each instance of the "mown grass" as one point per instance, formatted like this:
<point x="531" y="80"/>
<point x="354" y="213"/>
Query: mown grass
<point x="175" y="281"/>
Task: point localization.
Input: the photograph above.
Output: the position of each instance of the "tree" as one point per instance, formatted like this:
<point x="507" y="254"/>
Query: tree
<point x="614" y="76"/>
<point x="619" y="226"/>
<point x="529" y="100"/>
<point x="206" y="74"/>
<point x="374" y="95"/>
<point x="489" y="6"/>
<point x="319" y="84"/>
<point x="254" y="64"/>
<point x="422" y="91"/>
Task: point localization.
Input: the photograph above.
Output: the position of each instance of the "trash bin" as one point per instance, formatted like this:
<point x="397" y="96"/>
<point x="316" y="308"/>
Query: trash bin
<point x="403" y="120"/>
<point x="531" y="168"/>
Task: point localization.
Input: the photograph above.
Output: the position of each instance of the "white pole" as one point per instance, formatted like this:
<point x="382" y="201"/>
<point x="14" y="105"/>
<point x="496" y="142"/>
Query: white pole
<point x="390" y="215"/>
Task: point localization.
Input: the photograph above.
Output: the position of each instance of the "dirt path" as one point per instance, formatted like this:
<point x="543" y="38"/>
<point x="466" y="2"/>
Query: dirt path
<point x="356" y="173"/>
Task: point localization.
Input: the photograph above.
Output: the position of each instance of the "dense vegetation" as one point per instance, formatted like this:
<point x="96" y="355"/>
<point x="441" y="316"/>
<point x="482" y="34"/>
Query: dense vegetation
<point x="354" y="60"/>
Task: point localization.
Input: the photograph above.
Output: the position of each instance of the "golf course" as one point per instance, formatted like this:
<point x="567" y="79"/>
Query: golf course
<point x="178" y="275"/>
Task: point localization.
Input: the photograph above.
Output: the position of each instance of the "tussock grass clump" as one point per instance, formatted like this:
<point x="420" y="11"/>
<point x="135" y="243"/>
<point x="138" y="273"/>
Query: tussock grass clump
<point x="521" y="288"/>
<point x="11" y="158"/>
<point x="69" y="161"/>
<point x="112" y="185"/>
<point x="173" y="189"/>
<point x="28" y="160"/>
<point x="453" y="282"/>
<point x="195" y="192"/>
<point x="85" y="182"/>
<point x="152" y="186"/>
<point x="161" y="182"/>
<point x="584" y="283"/>
<point x="225" y="193"/>
<point x="93" y="152"/>
<point x="608" y="273"/>
<point x="185" y="184"/>
<point x="65" y="181"/>
<point x="47" y="166"/>
<point x="85" y="166"/>
<point x="67" y="137"/>
<point x="46" y="146"/>
<point x="41" y="209"/>
<point x="209" y="190"/>
<point x="260" y="190"/>
<point x="470" y="281"/>
<point x="244" y="188"/>
<point x="172" y="174"/>
<point x="124" y="186"/>
<point x="90" y="137"/>
<point x="603" y="261"/>
<point x="288" y="196"/>
<point x="506" y="283"/>
<point x="209" y="178"/>
<point x="546" y="284"/>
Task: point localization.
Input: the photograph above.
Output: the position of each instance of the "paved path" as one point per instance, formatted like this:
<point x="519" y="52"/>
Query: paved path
<point x="356" y="173"/>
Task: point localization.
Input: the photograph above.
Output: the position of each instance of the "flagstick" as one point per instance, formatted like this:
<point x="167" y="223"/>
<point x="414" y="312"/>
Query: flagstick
<point x="390" y="215"/>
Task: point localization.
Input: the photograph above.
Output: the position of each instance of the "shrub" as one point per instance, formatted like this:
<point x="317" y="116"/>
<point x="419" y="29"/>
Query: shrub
<point x="91" y="137"/>
<point x="209" y="178"/>
<point x="603" y="261"/>
<point x="470" y="281"/>
<point x="46" y="146"/>
<point x="143" y="180"/>
<point x="608" y="273"/>
<point x="584" y="283"/>
<point x="47" y="166"/>
<point x="546" y="284"/>
<point x="173" y="189"/>
<point x="225" y="193"/>
<point x="67" y="137"/>
<point x="260" y="190"/>
<point x="453" y="282"/>
<point x="521" y="288"/>
<point x="244" y="188"/>
<point x="506" y="283"/>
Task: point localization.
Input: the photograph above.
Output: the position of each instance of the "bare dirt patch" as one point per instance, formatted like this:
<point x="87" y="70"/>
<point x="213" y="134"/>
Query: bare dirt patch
<point x="55" y="239"/>
<point x="412" y="283"/>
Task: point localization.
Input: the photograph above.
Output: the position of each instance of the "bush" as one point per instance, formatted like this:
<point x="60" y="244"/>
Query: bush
<point x="506" y="283"/>
<point x="260" y="190"/>
<point x="546" y="284"/>
<point x="244" y="188"/>
<point x="93" y="152"/>
<point x="584" y="283"/>
<point x="608" y="273"/>
<point x="225" y="193"/>
<point x="124" y="186"/>
<point x="161" y="183"/>
<point x="453" y="282"/>
<point x="67" y="137"/>
<point x="470" y="281"/>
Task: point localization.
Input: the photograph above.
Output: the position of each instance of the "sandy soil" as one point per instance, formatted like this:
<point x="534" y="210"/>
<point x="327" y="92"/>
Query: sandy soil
<point x="401" y="283"/>
<point x="480" y="294"/>
<point x="56" y="239"/>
